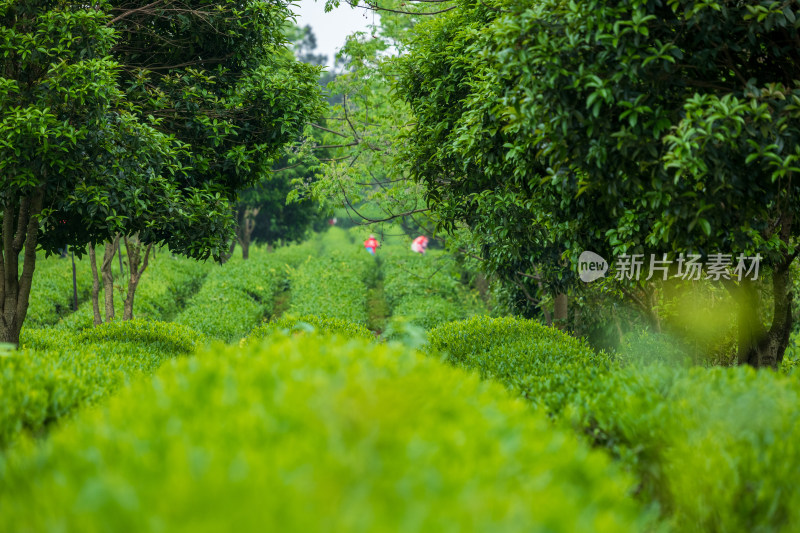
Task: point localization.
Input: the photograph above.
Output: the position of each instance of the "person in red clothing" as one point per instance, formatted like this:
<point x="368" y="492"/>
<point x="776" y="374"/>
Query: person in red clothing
<point x="371" y="244"/>
<point x="420" y="244"/>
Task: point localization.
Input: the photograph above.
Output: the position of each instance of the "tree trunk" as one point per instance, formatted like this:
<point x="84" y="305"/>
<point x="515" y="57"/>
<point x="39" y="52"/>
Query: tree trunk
<point x="119" y="255"/>
<point x="74" y="284"/>
<point x="108" y="277"/>
<point x="652" y="297"/>
<point x="759" y="347"/>
<point x="560" y="311"/>
<point x="95" y="286"/>
<point x="246" y="227"/>
<point x="20" y="230"/>
<point x="136" y="267"/>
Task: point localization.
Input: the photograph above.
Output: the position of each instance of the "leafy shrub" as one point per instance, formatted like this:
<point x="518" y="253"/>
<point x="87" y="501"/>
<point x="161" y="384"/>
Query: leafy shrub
<point x="51" y="292"/>
<point x="429" y="312"/>
<point x="791" y="358"/>
<point x="165" y="286"/>
<point x="333" y="285"/>
<point x="56" y="372"/>
<point x="167" y="337"/>
<point x="716" y="448"/>
<point x="311" y="323"/>
<point x="426" y="290"/>
<point x="233" y="299"/>
<point x="644" y="348"/>
<point x="309" y="434"/>
<point x="540" y="363"/>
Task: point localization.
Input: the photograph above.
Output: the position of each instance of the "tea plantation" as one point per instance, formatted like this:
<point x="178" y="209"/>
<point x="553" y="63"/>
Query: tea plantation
<point x="318" y="388"/>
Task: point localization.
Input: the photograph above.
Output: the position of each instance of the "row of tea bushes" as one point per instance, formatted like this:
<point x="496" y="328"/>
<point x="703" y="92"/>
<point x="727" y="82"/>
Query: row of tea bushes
<point x="300" y="325"/>
<point x="51" y="295"/>
<point x="54" y="372"/>
<point x="333" y="285"/>
<point x="235" y="297"/>
<point x="162" y="292"/>
<point x="543" y="365"/>
<point x="716" y="449"/>
<point x="426" y="289"/>
<point x="307" y="434"/>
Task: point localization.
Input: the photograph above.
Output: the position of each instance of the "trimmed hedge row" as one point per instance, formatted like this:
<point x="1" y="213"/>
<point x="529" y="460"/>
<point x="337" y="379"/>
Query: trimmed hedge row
<point x="235" y="297"/>
<point x="426" y="290"/>
<point x="716" y="449"/>
<point x="163" y="290"/>
<point x="313" y="434"/>
<point x="543" y="365"/>
<point x="311" y="324"/>
<point x="51" y="293"/>
<point x="55" y="372"/>
<point x="333" y="285"/>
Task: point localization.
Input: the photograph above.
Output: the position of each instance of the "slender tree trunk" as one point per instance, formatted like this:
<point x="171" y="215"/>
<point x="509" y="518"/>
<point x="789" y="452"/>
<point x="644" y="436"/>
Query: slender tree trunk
<point x="548" y="319"/>
<point x="108" y="277"/>
<point x="119" y="255"/>
<point x="20" y="230"/>
<point x="136" y="267"/>
<point x="95" y="286"/>
<point x="652" y="297"/>
<point x="74" y="284"/>
<point x="246" y="226"/>
<point x="759" y="347"/>
<point x="560" y="308"/>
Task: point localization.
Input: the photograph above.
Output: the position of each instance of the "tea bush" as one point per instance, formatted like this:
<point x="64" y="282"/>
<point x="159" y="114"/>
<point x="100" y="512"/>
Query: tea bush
<point x="163" y="290"/>
<point x="51" y="293"/>
<point x="311" y="324"/>
<point x="716" y="448"/>
<point x="542" y="364"/>
<point x="163" y="336"/>
<point x="234" y="298"/>
<point x="313" y="434"/>
<point x="55" y="372"/>
<point x="426" y="290"/>
<point x="334" y="285"/>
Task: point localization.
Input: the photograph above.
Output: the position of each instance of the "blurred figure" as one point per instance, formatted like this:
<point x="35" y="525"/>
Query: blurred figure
<point x="371" y="244"/>
<point x="420" y="244"/>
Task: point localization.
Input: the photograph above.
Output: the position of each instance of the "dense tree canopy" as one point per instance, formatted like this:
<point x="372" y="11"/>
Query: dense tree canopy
<point x="638" y="126"/>
<point x="137" y="118"/>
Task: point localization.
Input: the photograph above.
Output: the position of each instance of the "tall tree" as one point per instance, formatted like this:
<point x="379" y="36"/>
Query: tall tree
<point x="209" y="99"/>
<point x="658" y="126"/>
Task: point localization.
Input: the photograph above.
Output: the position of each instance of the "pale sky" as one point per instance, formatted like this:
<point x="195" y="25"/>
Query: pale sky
<point x="331" y="28"/>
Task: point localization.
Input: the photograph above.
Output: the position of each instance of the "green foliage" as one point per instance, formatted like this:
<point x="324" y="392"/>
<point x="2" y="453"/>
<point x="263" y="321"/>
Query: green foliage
<point x="51" y="293"/>
<point x="166" y="285"/>
<point x="338" y="434"/>
<point x="547" y="367"/>
<point x="56" y="372"/>
<point x="716" y="448"/>
<point x="234" y="298"/>
<point x="311" y="324"/>
<point x="334" y="285"/>
<point x="645" y="348"/>
<point x="638" y="127"/>
<point x="426" y="290"/>
<point x="162" y="336"/>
